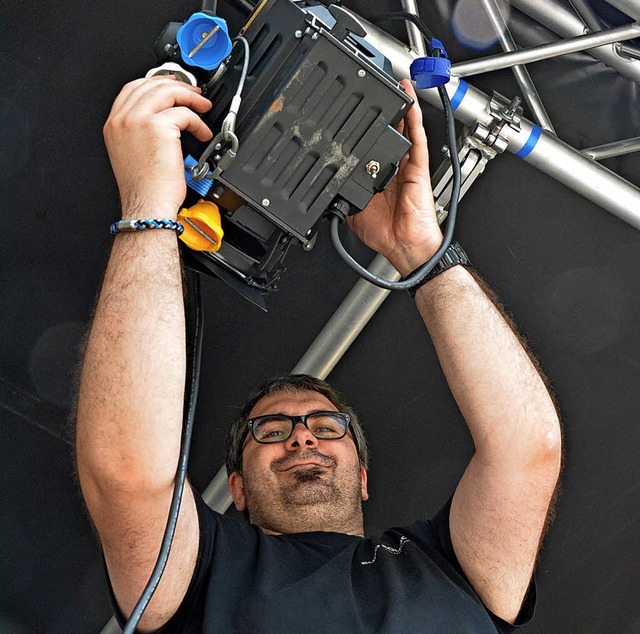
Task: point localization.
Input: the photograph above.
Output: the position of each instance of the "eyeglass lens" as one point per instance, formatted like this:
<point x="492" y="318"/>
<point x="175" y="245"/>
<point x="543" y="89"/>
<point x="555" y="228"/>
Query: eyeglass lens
<point x="323" y="425"/>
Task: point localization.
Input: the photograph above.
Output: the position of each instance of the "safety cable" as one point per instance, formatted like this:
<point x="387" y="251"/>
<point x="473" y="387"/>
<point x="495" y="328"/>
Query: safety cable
<point x="194" y="320"/>
<point x="228" y="125"/>
<point x="415" y="279"/>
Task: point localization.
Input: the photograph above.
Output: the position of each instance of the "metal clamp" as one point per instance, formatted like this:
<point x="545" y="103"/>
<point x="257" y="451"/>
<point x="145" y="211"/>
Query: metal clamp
<point x="503" y="112"/>
<point x="474" y="154"/>
<point x="222" y="160"/>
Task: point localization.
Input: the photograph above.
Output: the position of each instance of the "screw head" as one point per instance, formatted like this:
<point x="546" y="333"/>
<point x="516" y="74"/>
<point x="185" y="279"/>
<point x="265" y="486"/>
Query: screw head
<point x="266" y="202"/>
<point x="298" y="34"/>
<point x="362" y="73"/>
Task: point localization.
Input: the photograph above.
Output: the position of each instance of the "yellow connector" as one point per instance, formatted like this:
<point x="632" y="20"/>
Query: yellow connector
<point x="202" y="227"/>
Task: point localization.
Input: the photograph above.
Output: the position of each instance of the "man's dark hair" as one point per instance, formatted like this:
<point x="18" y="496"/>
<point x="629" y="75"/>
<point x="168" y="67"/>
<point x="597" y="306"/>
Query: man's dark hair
<point x="289" y="383"/>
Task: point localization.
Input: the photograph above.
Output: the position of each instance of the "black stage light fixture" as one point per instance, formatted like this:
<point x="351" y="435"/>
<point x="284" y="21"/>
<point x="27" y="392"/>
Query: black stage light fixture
<point x="312" y="126"/>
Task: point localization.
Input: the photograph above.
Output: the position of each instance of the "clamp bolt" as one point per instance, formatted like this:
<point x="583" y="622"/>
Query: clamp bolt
<point x="373" y="167"/>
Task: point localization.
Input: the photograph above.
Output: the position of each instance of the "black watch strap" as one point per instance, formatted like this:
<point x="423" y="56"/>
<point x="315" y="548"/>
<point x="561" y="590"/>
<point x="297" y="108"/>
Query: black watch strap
<point x="453" y="256"/>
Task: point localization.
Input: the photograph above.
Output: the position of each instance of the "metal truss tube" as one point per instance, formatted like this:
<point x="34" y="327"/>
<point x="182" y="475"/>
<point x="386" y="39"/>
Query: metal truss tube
<point x="535" y="146"/>
<point x="582" y="174"/>
<point x="347" y="322"/>
<point x="588" y="15"/>
<point x="617" y="148"/>
<point x="630" y="7"/>
<point x="521" y="73"/>
<point x="565" y="23"/>
<point x="416" y="41"/>
<point x="546" y="51"/>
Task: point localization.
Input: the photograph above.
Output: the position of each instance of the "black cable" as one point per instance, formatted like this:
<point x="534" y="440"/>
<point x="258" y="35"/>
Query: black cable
<point x="242" y="6"/>
<point x="194" y="322"/>
<point x="415" y="279"/>
<point x="210" y="5"/>
<point x="406" y="17"/>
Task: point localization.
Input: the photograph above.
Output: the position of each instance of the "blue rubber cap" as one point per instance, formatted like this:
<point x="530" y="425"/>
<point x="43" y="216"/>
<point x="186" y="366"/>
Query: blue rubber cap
<point x="194" y="31"/>
<point x="429" y="72"/>
<point x="203" y="186"/>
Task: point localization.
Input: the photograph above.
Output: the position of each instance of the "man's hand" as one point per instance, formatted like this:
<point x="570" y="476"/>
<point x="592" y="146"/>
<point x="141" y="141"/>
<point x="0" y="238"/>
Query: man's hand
<point x="400" y="222"/>
<point x="142" y="135"/>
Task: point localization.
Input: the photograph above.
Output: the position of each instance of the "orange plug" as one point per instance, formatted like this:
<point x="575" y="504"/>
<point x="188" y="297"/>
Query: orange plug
<point x="202" y="226"/>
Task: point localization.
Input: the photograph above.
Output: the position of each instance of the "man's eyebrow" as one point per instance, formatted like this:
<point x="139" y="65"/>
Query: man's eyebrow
<point x="314" y="411"/>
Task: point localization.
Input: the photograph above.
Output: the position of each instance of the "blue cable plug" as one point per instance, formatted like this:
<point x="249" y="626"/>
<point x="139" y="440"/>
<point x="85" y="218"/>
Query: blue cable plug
<point x="204" y="41"/>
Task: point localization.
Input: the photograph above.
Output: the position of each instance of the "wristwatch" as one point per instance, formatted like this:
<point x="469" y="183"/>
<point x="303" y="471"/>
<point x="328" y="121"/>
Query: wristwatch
<point x="453" y="256"/>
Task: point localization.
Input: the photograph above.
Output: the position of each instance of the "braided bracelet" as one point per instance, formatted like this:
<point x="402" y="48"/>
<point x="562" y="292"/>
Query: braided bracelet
<point x="132" y="224"/>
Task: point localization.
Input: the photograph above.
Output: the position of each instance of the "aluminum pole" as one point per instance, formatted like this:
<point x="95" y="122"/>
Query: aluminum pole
<point x="521" y="73"/>
<point x="347" y="322"/>
<point x="617" y="148"/>
<point x="546" y="51"/>
<point x="534" y="145"/>
<point x="565" y="23"/>
<point x="630" y="7"/>
<point x="587" y="14"/>
<point x="416" y="41"/>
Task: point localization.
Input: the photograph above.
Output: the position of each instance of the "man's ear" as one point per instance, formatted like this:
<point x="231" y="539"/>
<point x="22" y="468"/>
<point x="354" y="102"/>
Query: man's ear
<point x="363" y="479"/>
<point x="236" y="486"/>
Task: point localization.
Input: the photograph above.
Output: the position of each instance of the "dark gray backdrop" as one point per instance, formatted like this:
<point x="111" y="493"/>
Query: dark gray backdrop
<point x="565" y="268"/>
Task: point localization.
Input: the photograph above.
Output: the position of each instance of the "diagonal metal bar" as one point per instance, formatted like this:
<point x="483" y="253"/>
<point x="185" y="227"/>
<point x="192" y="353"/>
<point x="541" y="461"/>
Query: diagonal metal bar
<point x="617" y="148"/>
<point x="546" y="51"/>
<point x="630" y="7"/>
<point x="416" y="41"/>
<point x="521" y="73"/>
<point x="34" y="411"/>
<point x="566" y="23"/>
<point x="587" y="14"/>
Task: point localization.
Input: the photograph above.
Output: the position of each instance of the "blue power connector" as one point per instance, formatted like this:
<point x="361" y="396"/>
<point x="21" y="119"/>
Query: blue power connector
<point x="430" y="72"/>
<point x="204" y="41"/>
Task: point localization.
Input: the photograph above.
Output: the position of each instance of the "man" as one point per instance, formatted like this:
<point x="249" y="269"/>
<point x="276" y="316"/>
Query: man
<point x="302" y="565"/>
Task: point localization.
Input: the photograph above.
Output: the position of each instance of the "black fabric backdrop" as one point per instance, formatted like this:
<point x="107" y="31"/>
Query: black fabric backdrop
<point x="565" y="268"/>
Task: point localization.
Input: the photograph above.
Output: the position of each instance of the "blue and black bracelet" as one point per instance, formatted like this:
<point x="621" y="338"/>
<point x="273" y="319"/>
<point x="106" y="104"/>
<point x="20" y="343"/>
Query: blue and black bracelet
<point x="133" y="224"/>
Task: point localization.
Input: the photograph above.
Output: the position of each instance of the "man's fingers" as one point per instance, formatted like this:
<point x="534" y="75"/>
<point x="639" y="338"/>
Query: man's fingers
<point x="183" y="118"/>
<point x="414" y="130"/>
<point x="158" y="93"/>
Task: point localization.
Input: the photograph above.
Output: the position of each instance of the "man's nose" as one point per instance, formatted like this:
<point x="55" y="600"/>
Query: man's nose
<point x="301" y="437"/>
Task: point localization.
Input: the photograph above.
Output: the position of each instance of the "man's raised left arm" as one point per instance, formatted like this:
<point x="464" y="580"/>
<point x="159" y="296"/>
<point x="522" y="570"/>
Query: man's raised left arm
<point x="501" y="505"/>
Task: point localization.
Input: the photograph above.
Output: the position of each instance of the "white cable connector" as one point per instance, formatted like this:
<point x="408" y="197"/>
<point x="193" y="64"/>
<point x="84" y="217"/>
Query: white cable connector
<point x="229" y="123"/>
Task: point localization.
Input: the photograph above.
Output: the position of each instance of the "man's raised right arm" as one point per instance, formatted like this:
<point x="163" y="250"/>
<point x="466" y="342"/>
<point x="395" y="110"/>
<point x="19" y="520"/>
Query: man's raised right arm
<point x="130" y="402"/>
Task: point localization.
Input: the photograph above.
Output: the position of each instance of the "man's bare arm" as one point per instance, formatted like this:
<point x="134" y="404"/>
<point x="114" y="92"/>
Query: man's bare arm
<point x="132" y="382"/>
<point x="501" y="504"/>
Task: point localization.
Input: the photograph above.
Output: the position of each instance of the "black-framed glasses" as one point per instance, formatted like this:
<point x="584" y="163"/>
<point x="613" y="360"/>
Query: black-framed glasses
<point x="272" y="428"/>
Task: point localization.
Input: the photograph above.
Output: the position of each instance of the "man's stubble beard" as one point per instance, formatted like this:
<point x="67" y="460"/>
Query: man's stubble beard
<point x="310" y="499"/>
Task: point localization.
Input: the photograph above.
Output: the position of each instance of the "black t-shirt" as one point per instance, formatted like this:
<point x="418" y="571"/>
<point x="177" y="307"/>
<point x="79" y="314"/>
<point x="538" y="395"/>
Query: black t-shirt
<point x="406" y="581"/>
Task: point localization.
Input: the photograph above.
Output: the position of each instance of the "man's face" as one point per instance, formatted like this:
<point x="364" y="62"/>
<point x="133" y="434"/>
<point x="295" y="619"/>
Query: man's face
<point x="302" y="484"/>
